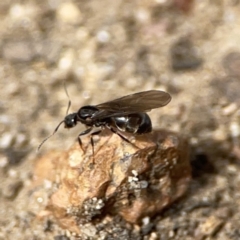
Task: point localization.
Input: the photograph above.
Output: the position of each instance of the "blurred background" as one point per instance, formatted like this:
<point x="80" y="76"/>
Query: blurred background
<point x="107" y="49"/>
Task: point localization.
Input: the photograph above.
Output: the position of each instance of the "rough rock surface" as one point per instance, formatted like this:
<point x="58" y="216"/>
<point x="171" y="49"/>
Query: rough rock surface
<point x="131" y="180"/>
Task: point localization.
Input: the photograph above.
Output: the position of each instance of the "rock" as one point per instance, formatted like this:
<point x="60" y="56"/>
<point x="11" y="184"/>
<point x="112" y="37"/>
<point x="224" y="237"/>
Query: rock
<point x="131" y="180"/>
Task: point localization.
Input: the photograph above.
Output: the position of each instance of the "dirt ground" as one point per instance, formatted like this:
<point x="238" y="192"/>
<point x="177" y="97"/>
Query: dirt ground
<point x="107" y="49"/>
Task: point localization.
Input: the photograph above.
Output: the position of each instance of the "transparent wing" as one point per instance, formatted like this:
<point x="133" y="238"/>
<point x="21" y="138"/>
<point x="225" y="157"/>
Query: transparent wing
<point x="134" y="103"/>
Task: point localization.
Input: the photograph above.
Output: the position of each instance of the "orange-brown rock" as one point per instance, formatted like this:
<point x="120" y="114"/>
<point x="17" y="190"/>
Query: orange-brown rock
<point x="131" y="180"/>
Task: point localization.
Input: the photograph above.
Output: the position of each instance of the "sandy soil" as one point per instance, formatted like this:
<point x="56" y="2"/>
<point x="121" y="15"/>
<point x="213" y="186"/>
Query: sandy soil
<point x="105" y="49"/>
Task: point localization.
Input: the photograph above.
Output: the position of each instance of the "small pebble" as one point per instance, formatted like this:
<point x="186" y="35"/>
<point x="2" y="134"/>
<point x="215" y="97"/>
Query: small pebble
<point x="103" y="36"/>
<point x="231" y="63"/>
<point x="11" y="190"/>
<point x="21" y="139"/>
<point x="69" y="12"/>
<point x="146" y="220"/>
<point x="184" y="55"/>
<point x="19" y="51"/>
<point x="209" y="227"/>
<point x="234" y="129"/>
<point x="6" y="140"/>
<point x="89" y="230"/>
<point x="61" y="237"/>
<point x="3" y="161"/>
<point x="67" y="60"/>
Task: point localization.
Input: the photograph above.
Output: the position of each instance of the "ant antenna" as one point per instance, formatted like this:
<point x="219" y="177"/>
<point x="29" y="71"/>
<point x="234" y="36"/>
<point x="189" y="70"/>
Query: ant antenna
<point x="69" y="101"/>
<point x="56" y="129"/>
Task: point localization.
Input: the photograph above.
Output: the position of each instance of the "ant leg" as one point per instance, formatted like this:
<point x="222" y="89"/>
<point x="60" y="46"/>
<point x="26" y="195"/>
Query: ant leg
<point x="81" y="134"/>
<point x="92" y="134"/>
<point x="92" y="143"/>
<point x="121" y="136"/>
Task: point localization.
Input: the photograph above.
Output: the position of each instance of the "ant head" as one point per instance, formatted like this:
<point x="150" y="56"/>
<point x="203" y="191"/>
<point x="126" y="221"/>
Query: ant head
<point x="70" y="120"/>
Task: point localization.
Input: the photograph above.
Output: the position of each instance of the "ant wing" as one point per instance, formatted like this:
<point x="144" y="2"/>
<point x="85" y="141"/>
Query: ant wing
<point x="134" y="103"/>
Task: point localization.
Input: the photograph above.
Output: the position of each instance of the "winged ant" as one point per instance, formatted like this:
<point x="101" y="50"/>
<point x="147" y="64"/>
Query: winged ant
<point x="125" y="114"/>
